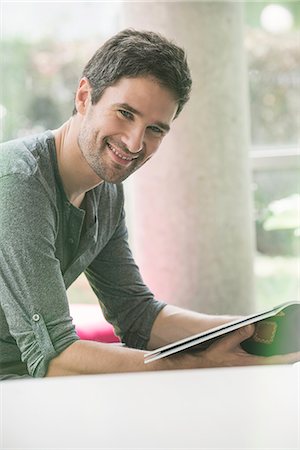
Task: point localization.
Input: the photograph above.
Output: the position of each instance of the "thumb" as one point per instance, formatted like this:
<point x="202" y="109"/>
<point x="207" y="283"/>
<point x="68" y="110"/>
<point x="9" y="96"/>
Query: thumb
<point x="236" y="337"/>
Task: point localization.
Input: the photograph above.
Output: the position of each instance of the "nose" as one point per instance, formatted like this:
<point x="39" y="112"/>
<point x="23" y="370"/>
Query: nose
<point x="134" y="139"/>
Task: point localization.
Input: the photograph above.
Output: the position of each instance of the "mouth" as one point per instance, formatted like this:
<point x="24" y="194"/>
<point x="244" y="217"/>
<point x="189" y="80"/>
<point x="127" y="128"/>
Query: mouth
<point x="119" y="156"/>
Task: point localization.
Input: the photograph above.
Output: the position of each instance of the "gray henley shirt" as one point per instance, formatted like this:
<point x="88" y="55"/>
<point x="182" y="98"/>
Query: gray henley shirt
<point x="45" y="243"/>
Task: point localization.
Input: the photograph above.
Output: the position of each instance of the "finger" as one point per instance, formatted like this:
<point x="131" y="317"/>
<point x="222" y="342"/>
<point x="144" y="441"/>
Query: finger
<point x="253" y="360"/>
<point x="289" y="358"/>
<point x="234" y="339"/>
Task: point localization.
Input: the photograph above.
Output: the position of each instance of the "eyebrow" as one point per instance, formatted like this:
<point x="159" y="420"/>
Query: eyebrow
<point x="129" y="108"/>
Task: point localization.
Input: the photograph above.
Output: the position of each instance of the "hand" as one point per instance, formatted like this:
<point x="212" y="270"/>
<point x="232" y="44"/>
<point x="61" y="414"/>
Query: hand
<point x="227" y="352"/>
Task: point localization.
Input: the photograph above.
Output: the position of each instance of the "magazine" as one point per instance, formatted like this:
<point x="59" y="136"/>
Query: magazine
<point x="277" y="332"/>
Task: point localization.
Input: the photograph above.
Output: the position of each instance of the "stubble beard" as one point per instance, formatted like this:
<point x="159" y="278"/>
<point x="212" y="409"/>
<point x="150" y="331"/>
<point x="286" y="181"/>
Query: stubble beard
<point x="99" y="161"/>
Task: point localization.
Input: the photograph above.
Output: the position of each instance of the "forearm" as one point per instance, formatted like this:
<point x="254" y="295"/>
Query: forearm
<point x="174" y="323"/>
<point x="88" y="357"/>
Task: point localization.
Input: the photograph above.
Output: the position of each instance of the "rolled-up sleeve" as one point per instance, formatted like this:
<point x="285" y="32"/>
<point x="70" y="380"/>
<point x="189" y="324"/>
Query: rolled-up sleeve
<point x="32" y="291"/>
<point x="126" y="301"/>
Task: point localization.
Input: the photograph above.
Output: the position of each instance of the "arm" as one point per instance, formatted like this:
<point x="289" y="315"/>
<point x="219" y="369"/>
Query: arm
<point x="174" y="323"/>
<point x="87" y="357"/>
<point x="32" y="290"/>
<point x="84" y="357"/>
<point x="126" y="302"/>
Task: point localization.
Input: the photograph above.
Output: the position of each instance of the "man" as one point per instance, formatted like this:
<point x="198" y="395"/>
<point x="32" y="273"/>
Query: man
<point x="61" y="203"/>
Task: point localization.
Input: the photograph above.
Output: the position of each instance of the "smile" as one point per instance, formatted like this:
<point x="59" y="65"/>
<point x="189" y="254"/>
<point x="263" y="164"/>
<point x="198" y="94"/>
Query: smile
<point x="116" y="152"/>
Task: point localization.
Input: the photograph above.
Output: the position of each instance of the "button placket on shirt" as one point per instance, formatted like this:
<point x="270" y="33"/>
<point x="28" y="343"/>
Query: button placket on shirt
<point x="70" y="239"/>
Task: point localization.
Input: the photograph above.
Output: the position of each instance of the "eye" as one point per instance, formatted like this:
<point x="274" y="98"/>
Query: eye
<point x="156" y="130"/>
<point x="126" y="114"/>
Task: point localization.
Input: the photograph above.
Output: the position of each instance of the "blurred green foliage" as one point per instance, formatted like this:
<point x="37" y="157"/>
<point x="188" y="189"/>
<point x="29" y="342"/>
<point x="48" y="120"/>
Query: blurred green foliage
<point x="15" y="67"/>
<point x="284" y="214"/>
<point x="276" y="280"/>
<point x="274" y="87"/>
<point x="38" y="82"/>
<point x="277" y="211"/>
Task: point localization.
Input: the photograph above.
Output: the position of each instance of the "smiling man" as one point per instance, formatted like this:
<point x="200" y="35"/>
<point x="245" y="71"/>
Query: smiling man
<point x="62" y="213"/>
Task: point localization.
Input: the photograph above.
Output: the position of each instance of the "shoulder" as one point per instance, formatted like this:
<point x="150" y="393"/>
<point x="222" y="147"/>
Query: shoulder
<point x="21" y="156"/>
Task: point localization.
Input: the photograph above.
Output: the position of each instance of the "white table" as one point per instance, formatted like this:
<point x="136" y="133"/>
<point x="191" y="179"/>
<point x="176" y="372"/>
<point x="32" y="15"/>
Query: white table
<point x="230" y="408"/>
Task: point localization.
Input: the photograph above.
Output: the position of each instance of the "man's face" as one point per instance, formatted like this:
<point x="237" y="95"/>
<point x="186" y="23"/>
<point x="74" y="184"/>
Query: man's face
<point x="125" y="128"/>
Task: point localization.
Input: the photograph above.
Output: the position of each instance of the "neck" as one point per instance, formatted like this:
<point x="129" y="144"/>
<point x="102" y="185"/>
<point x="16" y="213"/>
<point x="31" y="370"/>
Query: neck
<point x="77" y="177"/>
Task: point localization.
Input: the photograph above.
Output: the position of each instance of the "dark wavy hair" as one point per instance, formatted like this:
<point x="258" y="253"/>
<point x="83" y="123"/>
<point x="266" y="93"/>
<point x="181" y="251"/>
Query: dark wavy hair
<point x="133" y="53"/>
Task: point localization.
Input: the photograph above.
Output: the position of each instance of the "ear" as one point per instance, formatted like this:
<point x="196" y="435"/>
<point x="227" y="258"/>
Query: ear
<point x="83" y="95"/>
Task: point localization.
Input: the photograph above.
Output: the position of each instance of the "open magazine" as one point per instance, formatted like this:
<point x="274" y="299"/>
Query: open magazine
<point x="277" y="332"/>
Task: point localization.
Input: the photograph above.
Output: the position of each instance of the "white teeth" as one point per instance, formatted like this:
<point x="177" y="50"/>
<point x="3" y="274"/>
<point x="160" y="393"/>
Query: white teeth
<point x="118" y="154"/>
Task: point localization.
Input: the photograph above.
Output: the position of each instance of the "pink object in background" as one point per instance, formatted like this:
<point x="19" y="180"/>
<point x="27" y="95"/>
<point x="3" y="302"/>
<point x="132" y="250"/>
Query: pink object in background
<point x="90" y="323"/>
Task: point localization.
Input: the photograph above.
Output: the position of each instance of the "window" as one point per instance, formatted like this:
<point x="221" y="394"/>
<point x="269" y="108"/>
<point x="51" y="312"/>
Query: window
<point x="273" y="51"/>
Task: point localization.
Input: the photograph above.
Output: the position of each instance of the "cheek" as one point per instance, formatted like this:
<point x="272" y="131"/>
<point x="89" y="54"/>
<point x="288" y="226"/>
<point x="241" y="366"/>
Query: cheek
<point x="153" y="146"/>
<point x="91" y="134"/>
